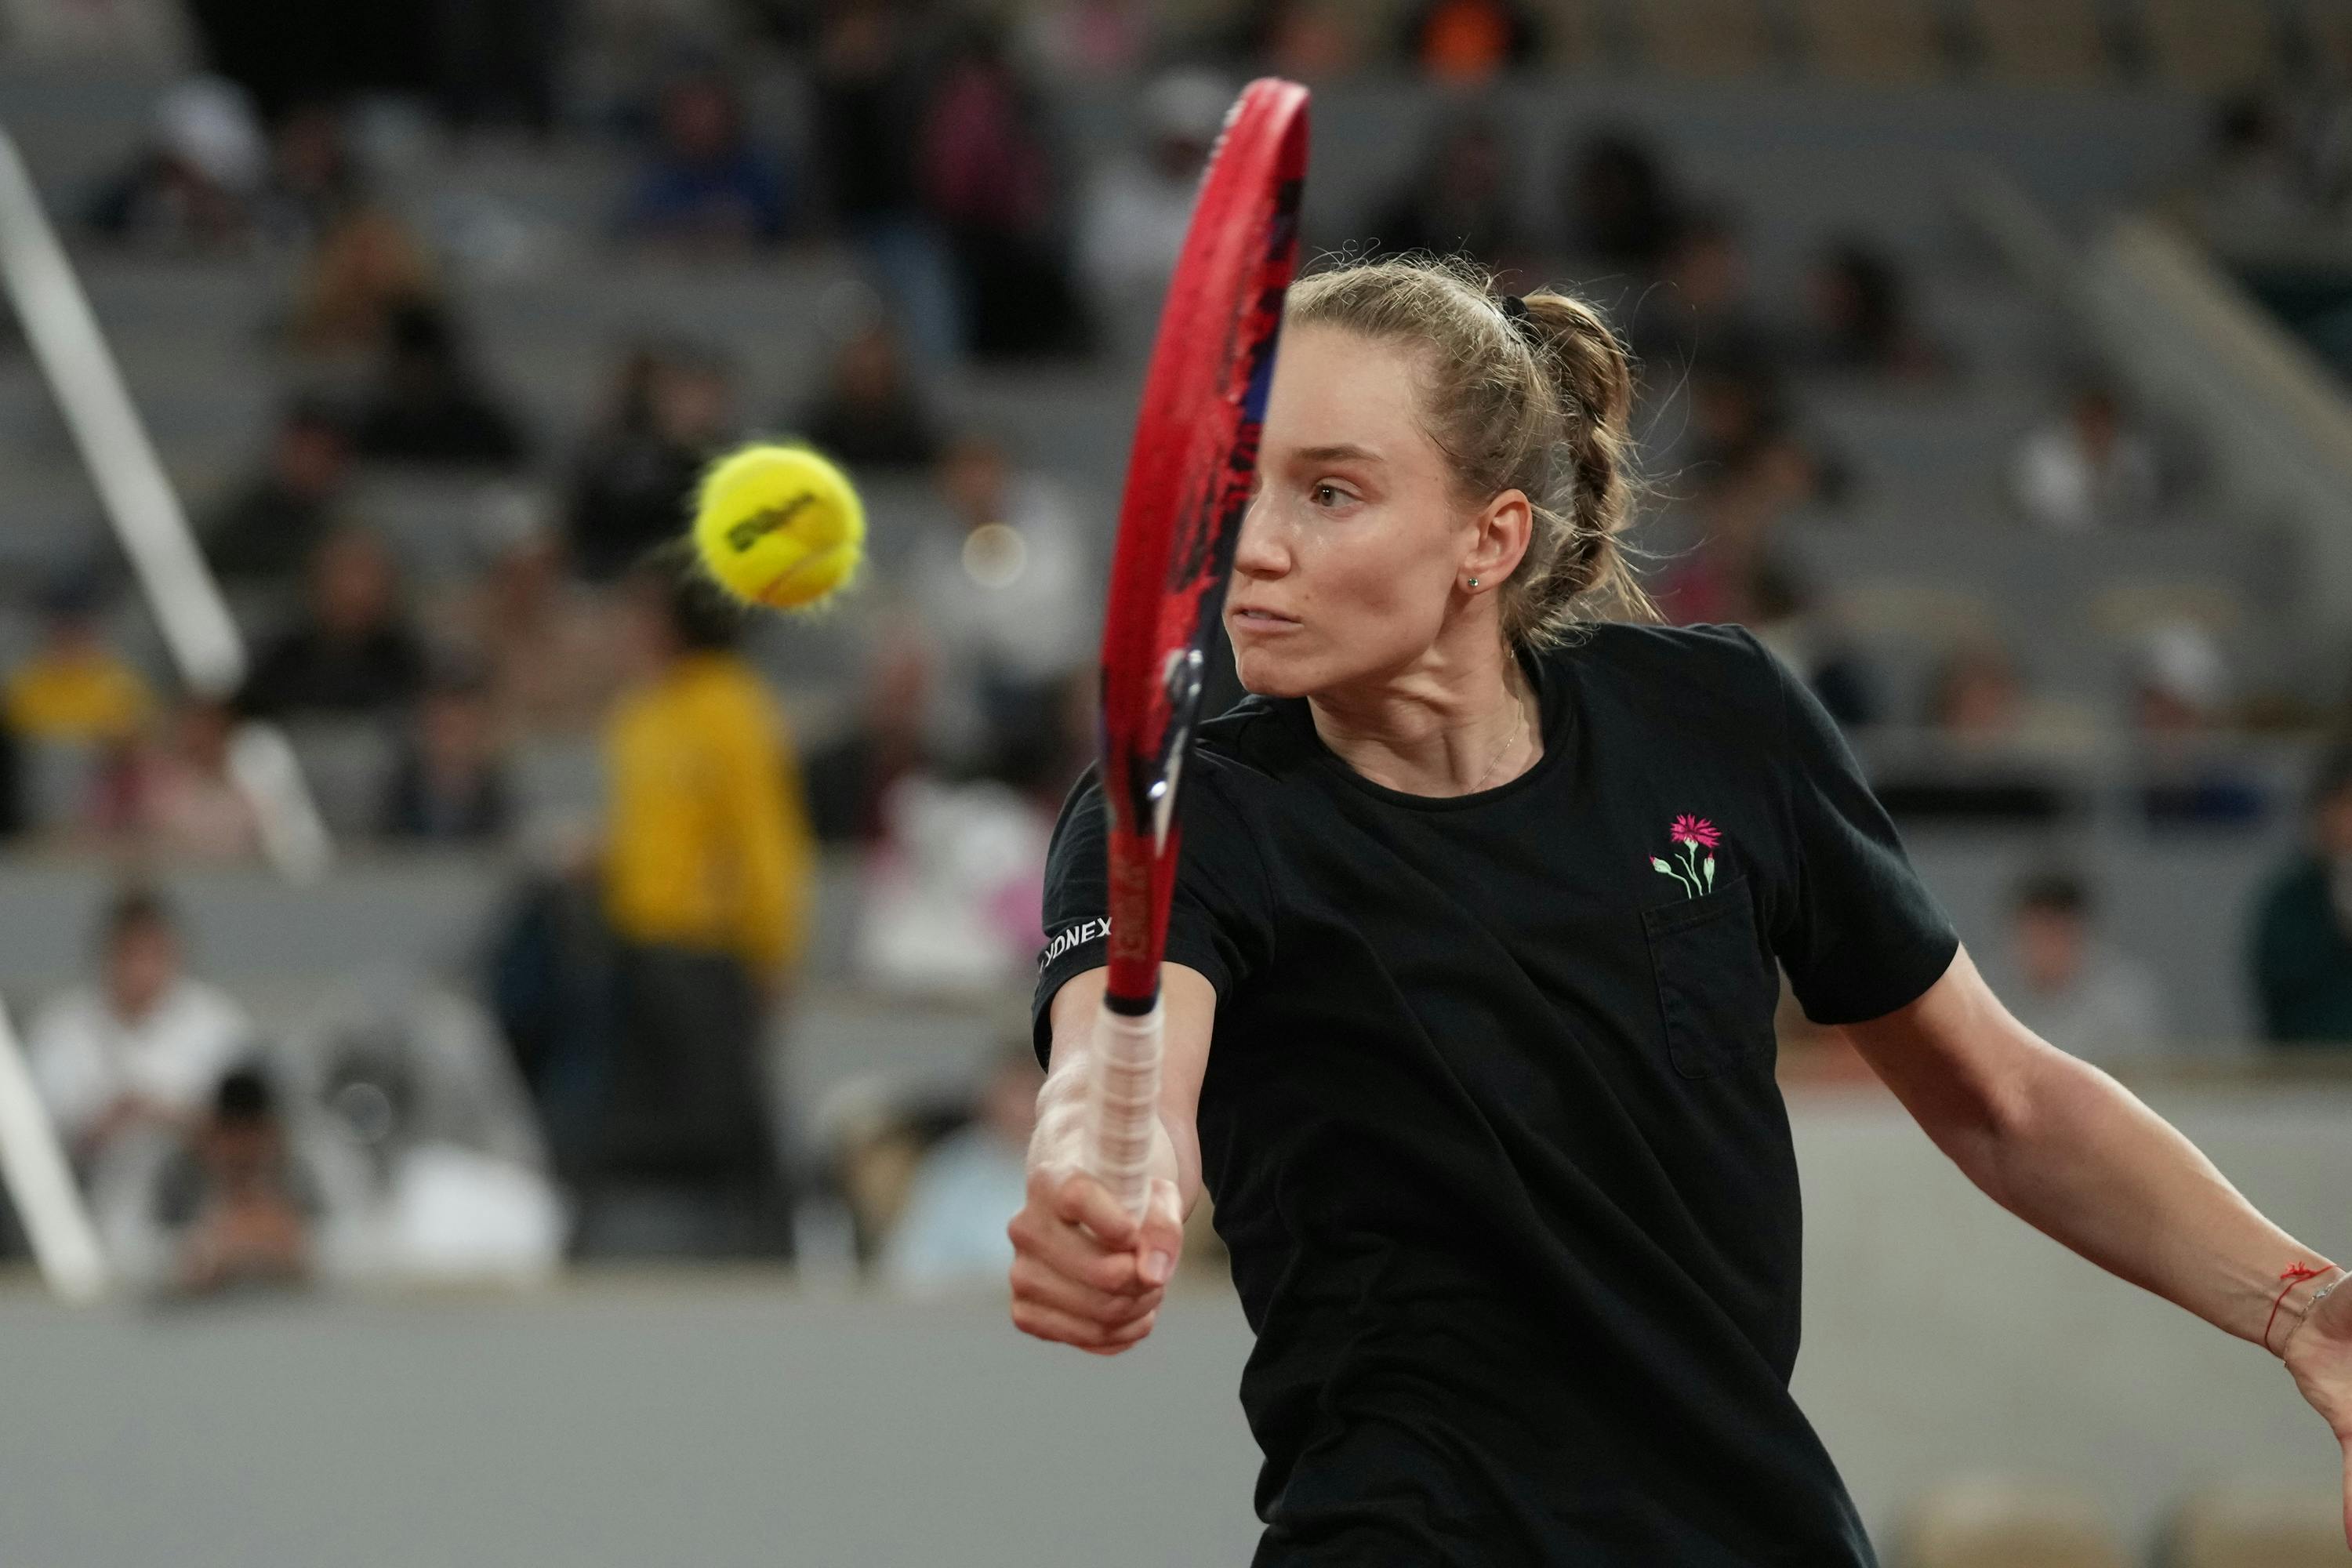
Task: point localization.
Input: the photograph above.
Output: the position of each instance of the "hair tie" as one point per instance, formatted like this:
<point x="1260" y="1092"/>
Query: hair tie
<point x="1514" y="312"/>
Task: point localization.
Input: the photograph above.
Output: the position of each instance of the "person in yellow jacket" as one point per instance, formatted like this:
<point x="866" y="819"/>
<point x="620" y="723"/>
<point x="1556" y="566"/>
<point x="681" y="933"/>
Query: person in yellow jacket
<point x="706" y="887"/>
<point x="75" y="689"/>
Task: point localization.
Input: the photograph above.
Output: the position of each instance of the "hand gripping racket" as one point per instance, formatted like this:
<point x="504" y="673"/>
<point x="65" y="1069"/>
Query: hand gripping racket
<point x="1188" y="483"/>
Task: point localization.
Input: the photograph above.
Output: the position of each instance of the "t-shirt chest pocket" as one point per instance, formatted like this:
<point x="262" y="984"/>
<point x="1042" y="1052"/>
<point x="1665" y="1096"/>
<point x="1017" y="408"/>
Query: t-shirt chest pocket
<point x="1715" y="992"/>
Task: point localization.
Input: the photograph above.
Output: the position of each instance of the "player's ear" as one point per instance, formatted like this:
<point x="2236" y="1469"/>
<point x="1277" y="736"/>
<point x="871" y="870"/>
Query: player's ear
<point x="1504" y="524"/>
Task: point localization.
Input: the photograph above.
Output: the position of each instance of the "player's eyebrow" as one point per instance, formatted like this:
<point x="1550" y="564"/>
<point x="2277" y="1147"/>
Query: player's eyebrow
<point x="1345" y="452"/>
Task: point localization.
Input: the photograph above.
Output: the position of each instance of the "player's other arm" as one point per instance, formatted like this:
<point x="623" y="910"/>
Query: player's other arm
<point x="1084" y="1272"/>
<point x="2066" y="1148"/>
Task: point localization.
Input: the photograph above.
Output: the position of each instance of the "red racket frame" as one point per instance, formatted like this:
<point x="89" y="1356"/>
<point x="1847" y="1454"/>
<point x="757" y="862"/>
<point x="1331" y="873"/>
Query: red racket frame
<point x="1188" y="484"/>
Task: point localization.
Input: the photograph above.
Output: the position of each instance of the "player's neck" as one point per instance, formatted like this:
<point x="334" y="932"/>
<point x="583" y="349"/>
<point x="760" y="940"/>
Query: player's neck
<point x="1435" y="730"/>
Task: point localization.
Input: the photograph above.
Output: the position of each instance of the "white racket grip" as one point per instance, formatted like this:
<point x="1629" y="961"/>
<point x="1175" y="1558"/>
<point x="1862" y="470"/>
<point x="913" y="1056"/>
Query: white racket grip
<point x="1123" y="1102"/>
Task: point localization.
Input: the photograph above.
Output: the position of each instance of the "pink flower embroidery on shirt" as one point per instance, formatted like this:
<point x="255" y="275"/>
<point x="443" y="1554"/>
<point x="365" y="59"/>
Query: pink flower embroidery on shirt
<point x="1692" y="834"/>
<point x="1689" y="829"/>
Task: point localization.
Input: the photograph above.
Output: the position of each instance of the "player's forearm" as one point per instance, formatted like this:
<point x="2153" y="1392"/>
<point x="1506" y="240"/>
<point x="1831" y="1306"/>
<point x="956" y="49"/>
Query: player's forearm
<point x="2082" y="1158"/>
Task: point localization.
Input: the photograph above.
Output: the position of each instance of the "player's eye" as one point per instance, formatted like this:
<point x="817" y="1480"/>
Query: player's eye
<point x="1319" y="491"/>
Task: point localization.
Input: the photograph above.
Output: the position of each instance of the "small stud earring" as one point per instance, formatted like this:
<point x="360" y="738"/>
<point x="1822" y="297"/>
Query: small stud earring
<point x="1473" y="582"/>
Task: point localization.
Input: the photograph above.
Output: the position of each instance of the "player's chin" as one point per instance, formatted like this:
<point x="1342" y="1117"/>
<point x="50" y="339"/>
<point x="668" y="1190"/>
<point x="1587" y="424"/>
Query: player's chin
<point x="1271" y="672"/>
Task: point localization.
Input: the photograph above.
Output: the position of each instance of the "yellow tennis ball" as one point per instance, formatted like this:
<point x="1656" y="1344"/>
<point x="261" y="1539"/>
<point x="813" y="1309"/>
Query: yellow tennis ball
<point x="777" y="526"/>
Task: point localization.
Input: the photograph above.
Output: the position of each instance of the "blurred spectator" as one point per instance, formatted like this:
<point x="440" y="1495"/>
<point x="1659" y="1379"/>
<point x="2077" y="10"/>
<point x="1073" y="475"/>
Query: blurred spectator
<point x="174" y="794"/>
<point x="236" y="1201"/>
<point x="1741" y="499"/>
<point x="352" y="651"/>
<point x="988" y="176"/>
<point x="2087" y="469"/>
<point x="2301" y="947"/>
<point x="1789" y="620"/>
<point x="1733" y="408"/>
<point x="1703" y="315"/>
<point x="707" y="884"/>
<point x="138" y="1050"/>
<point x="1140" y="205"/>
<point x="867" y="114"/>
<point x="869" y="413"/>
<point x="192" y="186"/>
<point x="74" y="688"/>
<point x="1093" y="40"/>
<point x="266" y="528"/>
<point x="448" y="784"/>
<point x="1307" y="39"/>
<point x="1986" y="760"/>
<point x="363" y="269"/>
<point x="1712" y="580"/>
<point x="543" y="639"/>
<point x="970" y="1184"/>
<point x="426" y="404"/>
<point x="1460" y="199"/>
<point x="1619" y="204"/>
<point x="705" y="188"/>
<point x="633" y="486"/>
<point x="1861" y="317"/>
<point x="996" y="590"/>
<point x="2181" y="700"/>
<point x="1469" y="41"/>
<point x="1742" y="436"/>
<point x="314" y="177"/>
<point x="1977" y="703"/>
<point x="2256" y="188"/>
<point x="2077" y="992"/>
<point x="848" y="780"/>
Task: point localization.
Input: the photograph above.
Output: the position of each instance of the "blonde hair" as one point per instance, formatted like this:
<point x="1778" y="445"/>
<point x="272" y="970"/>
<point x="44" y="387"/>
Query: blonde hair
<point x="1541" y="404"/>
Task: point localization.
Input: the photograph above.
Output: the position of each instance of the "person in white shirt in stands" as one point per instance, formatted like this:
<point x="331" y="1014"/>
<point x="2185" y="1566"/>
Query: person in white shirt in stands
<point x="1137" y="210"/>
<point x="141" y="1049"/>
<point x="2077" y="991"/>
<point x="2087" y="469"/>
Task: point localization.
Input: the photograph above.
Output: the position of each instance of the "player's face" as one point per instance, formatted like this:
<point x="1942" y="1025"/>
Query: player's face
<point x="1346" y="563"/>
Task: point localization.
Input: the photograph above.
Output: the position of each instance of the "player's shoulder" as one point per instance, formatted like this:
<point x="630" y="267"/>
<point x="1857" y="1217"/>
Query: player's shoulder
<point x="1720" y="658"/>
<point x="1699" y="644"/>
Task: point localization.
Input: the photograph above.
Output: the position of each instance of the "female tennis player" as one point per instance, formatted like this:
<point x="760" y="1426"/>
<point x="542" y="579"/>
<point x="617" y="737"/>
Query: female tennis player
<point x="1469" y="987"/>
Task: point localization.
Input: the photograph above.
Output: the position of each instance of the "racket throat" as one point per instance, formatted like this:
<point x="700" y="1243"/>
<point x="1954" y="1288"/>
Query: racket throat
<point x="1182" y="680"/>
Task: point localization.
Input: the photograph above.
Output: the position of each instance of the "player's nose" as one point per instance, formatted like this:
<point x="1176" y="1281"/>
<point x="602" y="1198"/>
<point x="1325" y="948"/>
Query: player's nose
<point x="1259" y="551"/>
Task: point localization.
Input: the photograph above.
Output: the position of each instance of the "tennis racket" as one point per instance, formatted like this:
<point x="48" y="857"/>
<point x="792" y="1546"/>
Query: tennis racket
<point x="1188" y="484"/>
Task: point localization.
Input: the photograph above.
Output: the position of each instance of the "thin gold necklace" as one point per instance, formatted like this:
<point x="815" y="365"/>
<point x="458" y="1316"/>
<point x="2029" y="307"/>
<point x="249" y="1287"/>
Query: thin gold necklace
<point x="1508" y="743"/>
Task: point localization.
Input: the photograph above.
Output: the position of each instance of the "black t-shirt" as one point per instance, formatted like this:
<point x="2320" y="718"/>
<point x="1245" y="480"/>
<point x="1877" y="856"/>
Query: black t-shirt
<point x="1490" y="1118"/>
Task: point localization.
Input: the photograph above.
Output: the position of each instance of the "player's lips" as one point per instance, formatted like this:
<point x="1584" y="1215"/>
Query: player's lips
<point x="1251" y="618"/>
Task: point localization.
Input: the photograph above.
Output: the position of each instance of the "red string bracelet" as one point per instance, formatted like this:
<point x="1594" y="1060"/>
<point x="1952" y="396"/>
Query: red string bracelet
<point x="2295" y="1274"/>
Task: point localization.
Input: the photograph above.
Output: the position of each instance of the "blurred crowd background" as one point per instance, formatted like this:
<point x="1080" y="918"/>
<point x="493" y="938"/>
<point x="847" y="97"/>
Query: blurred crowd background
<point x="651" y="930"/>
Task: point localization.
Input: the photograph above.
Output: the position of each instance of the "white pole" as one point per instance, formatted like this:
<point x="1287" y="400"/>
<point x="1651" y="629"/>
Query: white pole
<point x="146" y="511"/>
<point x="65" y="1243"/>
<point x="114" y="445"/>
